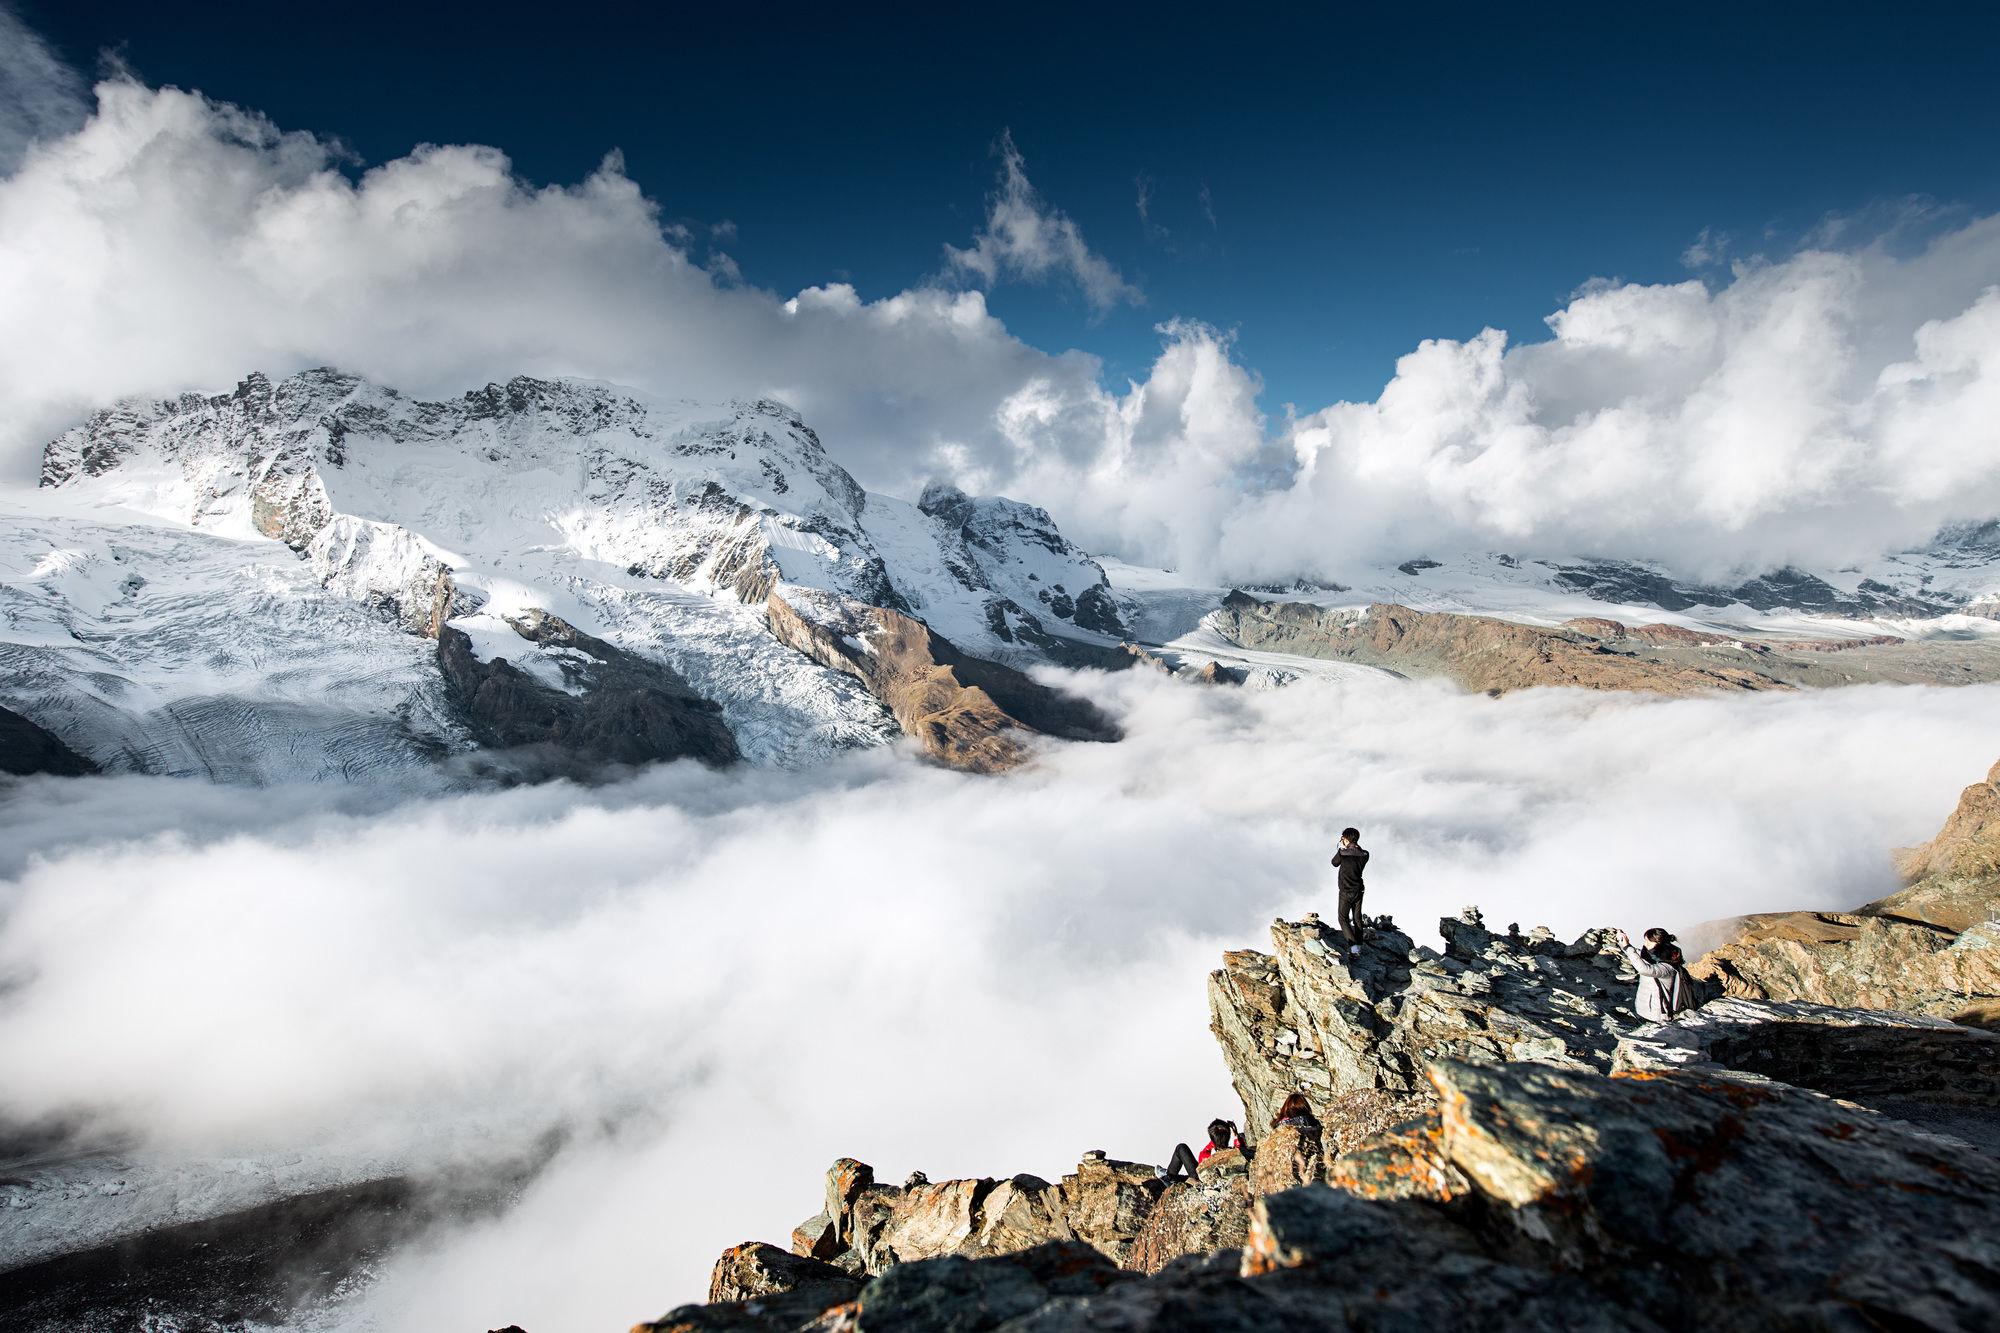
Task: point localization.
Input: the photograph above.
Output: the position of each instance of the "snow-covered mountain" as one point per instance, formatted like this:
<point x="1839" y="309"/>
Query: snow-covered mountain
<point x="322" y="578"/>
<point x="243" y="584"/>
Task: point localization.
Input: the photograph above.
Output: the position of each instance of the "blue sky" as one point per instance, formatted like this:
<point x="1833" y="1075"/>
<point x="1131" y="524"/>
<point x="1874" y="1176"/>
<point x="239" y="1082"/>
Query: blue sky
<point x="1331" y="188"/>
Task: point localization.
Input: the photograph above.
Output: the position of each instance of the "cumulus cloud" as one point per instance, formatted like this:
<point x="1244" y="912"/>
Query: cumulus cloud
<point x="174" y="242"/>
<point x="1820" y="408"/>
<point x="721" y="983"/>
<point x="1027" y="239"/>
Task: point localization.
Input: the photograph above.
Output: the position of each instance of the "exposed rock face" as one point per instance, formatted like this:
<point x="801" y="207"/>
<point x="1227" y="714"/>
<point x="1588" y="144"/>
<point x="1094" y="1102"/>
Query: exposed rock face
<point x="1208" y="1211"/>
<point x="966" y="712"/>
<point x="1207" y="673"/>
<point x="1955" y="877"/>
<point x="870" y="1227"/>
<point x="1589" y="1201"/>
<point x="1933" y="948"/>
<point x="1495" y="656"/>
<point x="1750" y="1165"/>
<point x="27" y="748"/>
<point x="607" y="706"/>
<point x="750" y="1272"/>
<point x="1310" y="1018"/>
<point x="1291" y="1154"/>
<point x="1847" y="959"/>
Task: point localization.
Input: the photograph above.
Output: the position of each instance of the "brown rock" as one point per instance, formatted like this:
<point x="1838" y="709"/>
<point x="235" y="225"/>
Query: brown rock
<point x="1291" y="1154"/>
<point x="1206" y="1212"/>
<point x="755" y="1270"/>
<point x="1107" y="1201"/>
<point x="1495" y="656"/>
<point x="815" y="1238"/>
<point x="1407" y="1161"/>
<point x="964" y="711"/>
<point x="1955" y="877"/>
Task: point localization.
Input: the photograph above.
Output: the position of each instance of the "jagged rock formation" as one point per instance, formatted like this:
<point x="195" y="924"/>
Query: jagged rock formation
<point x="1210" y="672"/>
<point x="754" y="1271"/>
<point x="965" y="712"/>
<point x="1932" y="948"/>
<point x="28" y="748"/>
<point x="1208" y="1211"/>
<point x="1570" y="1200"/>
<point x="605" y="704"/>
<point x="869" y="1227"/>
<point x="1856" y="959"/>
<point x="1954" y="879"/>
<point x="1310" y="1018"/>
<point x="1496" y="656"/>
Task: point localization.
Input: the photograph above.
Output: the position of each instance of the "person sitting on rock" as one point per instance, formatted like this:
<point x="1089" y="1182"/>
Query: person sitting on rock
<point x="1348" y="859"/>
<point x="1296" y="1111"/>
<point x="1664" y="988"/>
<point x="1221" y="1134"/>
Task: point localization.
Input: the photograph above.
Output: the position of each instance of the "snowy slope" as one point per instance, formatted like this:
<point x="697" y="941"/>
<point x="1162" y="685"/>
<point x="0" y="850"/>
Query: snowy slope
<point x="1951" y="588"/>
<point x="367" y="520"/>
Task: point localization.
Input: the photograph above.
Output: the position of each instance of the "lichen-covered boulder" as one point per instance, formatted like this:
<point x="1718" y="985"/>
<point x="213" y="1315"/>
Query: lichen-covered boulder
<point x="1291" y="1154"/>
<point x="754" y="1270"/>
<point x="1208" y="1211"/>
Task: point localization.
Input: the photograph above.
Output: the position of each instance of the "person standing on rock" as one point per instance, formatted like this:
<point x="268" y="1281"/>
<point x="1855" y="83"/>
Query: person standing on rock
<point x="1663" y="987"/>
<point x="1349" y="859"/>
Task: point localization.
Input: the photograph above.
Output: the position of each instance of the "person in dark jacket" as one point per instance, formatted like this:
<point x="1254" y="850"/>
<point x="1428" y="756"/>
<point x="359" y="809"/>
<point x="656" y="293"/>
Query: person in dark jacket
<point x="1221" y="1134"/>
<point x="1349" y="859"/>
<point x="1296" y="1111"/>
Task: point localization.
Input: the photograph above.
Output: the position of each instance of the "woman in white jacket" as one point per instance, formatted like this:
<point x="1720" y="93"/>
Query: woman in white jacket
<point x="1663" y="986"/>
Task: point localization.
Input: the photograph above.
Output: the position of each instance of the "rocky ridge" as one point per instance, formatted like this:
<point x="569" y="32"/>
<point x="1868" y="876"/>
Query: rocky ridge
<point x="1495" y="656"/>
<point x="1548" y="1161"/>
<point x="1931" y="948"/>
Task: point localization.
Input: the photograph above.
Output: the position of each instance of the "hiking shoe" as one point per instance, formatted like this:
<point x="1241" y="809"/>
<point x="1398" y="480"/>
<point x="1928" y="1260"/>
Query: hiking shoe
<point x="1355" y="950"/>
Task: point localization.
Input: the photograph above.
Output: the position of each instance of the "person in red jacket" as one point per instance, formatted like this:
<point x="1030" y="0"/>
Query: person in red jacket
<point x="1221" y="1134"/>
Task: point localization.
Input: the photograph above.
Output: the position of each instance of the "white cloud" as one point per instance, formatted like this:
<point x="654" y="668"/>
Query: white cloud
<point x="1818" y="409"/>
<point x="176" y="243"/>
<point x="40" y="97"/>
<point x="1027" y="239"/>
<point x="751" y="974"/>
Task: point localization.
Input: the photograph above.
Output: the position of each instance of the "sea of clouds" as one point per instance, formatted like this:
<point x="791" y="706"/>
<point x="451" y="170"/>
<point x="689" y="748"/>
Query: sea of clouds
<point x="1822" y="405"/>
<point x="718" y="983"/>
<point x="714" y="984"/>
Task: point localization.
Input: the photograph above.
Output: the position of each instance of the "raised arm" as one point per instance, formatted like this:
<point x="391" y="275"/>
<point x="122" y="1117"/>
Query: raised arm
<point x="1658" y="971"/>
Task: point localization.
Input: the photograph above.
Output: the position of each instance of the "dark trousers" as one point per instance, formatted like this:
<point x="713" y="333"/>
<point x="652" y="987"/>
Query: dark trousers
<point x="1350" y="915"/>
<point x="1183" y="1163"/>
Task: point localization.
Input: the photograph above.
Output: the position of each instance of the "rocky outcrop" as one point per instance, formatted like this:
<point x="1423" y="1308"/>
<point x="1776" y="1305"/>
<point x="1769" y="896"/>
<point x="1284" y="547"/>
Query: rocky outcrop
<point x="1210" y="672"/>
<point x="754" y="1271"/>
<point x="1495" y="656"/>
<point x="1572" y="1200"/>
<point x="1851" y="959"/>
<point x="870" y="1227"/>
<point x="964" y="711"/>
<point x="1311" y="1018"/>
<point x="1293" y="1153"/>
<point x="601" y="705"/>
<point x="28" y="748"/>
<point x="1933" y="948"/>
<point x="1201" y="1214"/>
<point x="1954" y="879"/>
